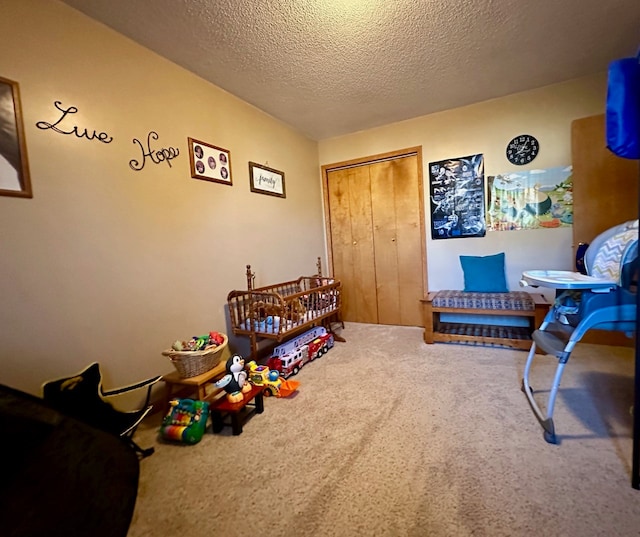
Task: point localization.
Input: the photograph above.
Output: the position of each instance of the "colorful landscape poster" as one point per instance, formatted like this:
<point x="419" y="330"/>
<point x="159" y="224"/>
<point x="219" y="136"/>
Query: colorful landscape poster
<point x="530" y="199"/>
<point x="457" y="197"/>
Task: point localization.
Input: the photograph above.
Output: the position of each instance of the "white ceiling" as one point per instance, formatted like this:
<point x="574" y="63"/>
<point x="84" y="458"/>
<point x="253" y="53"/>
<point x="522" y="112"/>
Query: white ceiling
<point x="331" y="67"/>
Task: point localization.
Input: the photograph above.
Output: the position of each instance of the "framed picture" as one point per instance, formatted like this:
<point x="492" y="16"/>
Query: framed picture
<point x="209" y="162"/>
<point x="14" y="166"/>
<point x="266" y="180"/>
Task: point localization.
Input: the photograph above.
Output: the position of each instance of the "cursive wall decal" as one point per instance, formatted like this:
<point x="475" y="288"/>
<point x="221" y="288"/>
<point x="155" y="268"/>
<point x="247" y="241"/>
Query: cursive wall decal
<point x="156" y="156"/>
<point x="100" y="136"/>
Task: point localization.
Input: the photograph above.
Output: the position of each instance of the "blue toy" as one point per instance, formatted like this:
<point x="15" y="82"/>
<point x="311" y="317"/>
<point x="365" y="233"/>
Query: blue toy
<point x="604" y="299"/>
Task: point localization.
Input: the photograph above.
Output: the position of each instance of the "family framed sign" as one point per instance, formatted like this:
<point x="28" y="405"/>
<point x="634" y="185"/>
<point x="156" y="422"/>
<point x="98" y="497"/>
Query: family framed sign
<point x="266" y="180"/>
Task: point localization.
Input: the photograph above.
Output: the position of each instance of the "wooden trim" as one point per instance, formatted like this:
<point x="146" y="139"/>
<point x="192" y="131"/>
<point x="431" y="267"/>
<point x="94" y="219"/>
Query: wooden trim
<point x="363" y="161"/>
<point x="24" y="175"/>
<point x="423" y="250"/>
<point x="522" y="344"/>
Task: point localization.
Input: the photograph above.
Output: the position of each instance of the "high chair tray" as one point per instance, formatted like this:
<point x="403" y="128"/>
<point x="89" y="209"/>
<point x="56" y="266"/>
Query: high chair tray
<point x="564" y="279"/>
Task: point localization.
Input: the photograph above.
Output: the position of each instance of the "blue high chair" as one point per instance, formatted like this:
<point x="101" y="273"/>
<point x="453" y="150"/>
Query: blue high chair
<point x="604" y="298"/>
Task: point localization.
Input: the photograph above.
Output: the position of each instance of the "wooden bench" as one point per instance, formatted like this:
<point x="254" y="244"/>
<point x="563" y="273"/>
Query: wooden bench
<point x="195" y="387"/>
<point x="520" y="304"/>
<point x="239" y="412"/>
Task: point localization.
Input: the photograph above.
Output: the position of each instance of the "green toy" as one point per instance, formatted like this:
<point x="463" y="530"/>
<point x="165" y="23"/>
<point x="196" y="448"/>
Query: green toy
<point x="185" y="421"/>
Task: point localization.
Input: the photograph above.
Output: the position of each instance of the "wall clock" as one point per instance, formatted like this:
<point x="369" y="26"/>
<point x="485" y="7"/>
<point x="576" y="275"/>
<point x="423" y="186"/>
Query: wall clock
<point x="522" y="149"/>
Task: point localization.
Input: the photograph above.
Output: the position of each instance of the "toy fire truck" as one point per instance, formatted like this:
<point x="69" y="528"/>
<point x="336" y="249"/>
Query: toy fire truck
<point x="289" y="357"/>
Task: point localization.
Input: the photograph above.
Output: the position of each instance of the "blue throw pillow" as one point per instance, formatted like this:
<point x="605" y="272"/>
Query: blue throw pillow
<point x="484" y="274"/>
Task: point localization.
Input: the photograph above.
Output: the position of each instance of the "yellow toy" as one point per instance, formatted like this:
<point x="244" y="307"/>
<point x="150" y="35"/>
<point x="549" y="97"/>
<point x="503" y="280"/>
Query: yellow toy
<point x="261" y="375"/>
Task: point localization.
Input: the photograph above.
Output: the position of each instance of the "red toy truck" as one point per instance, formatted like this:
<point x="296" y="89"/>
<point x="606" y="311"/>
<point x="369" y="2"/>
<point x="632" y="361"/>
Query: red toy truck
<point x="289" y="357"/>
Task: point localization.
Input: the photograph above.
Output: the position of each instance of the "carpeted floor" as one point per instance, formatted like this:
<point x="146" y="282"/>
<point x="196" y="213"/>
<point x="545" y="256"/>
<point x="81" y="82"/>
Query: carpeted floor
<point x="388" y="436"/>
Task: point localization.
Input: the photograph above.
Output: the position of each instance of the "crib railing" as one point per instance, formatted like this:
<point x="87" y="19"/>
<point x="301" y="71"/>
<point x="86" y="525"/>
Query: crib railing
<point x="275" y="310"/>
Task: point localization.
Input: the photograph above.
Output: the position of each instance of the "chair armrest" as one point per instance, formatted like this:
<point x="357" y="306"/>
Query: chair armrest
<point x="146" y="383"/>
<point x="141" y="415"/>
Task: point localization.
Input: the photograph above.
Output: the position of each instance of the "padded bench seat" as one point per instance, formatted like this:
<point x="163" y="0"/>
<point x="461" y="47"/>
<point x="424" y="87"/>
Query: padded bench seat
<point x="531" y="306"/>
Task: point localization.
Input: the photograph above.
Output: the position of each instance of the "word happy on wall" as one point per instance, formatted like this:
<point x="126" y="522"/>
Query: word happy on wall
<point x="66" y="112"/>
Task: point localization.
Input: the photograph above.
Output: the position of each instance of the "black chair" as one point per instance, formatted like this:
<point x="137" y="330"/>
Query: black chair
<point x="61" y="476"/>
<point x="82" y="397"/>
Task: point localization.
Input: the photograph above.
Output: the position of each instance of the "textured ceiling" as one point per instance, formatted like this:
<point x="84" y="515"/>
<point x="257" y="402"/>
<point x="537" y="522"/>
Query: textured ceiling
<point x="331" y="67"/>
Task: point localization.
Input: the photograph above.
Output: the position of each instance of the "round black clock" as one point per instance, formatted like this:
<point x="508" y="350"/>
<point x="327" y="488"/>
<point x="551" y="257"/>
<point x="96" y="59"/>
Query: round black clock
<point x="522" y="149"/>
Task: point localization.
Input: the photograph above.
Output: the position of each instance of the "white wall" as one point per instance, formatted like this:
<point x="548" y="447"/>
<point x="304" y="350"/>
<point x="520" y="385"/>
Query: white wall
<point x="486" y="128"/>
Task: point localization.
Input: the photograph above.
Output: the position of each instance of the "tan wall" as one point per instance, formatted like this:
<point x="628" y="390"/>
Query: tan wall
<point x="110" y="264"/>
<point x="486" y="128"/>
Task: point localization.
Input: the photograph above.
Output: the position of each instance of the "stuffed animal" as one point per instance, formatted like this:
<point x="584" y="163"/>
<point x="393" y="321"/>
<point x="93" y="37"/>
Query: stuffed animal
<point x="294" y="311"/>
<point x="235" y="381"/>
<point x="260" y="310"/>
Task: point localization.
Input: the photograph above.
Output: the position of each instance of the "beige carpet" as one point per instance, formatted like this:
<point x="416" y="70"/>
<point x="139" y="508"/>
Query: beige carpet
<point x="388" y="436"/>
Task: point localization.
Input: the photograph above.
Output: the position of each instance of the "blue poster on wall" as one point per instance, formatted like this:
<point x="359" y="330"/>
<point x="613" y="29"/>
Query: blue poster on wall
<point x="456" y="188"/>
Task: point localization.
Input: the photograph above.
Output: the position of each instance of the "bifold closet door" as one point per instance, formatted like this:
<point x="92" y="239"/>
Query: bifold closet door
<point x="352" y="240"/>
<point x="397" y="236"/>
<point x="376" y="229"/>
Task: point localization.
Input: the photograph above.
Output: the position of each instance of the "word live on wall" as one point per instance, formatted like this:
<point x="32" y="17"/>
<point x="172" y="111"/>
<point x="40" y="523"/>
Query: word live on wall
<point x="155" y="155"/>
<point x="101" y="137"/>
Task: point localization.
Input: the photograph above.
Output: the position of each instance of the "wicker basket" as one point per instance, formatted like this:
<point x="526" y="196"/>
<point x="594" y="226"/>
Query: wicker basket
<point x="194" y="363"/>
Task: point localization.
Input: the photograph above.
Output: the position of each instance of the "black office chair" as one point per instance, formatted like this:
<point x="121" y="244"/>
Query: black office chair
<point x="82" y="397"/>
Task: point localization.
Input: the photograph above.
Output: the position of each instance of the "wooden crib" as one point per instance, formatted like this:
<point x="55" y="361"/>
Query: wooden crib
<point x="281" y="310"/>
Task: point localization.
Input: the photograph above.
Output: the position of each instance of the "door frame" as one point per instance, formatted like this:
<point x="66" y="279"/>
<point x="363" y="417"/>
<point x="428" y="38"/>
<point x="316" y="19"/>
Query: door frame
<point x="364" y="161"/>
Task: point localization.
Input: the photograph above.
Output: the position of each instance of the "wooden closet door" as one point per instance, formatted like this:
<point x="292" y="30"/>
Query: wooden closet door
<point x="353" y="256"/>
<point x="397" y="239"/>
<point x="376" y="227"/>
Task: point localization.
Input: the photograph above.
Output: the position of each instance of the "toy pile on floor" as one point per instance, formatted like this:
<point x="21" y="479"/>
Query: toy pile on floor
<point x="239" y="380"/>
<point x="186" y="420"/>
